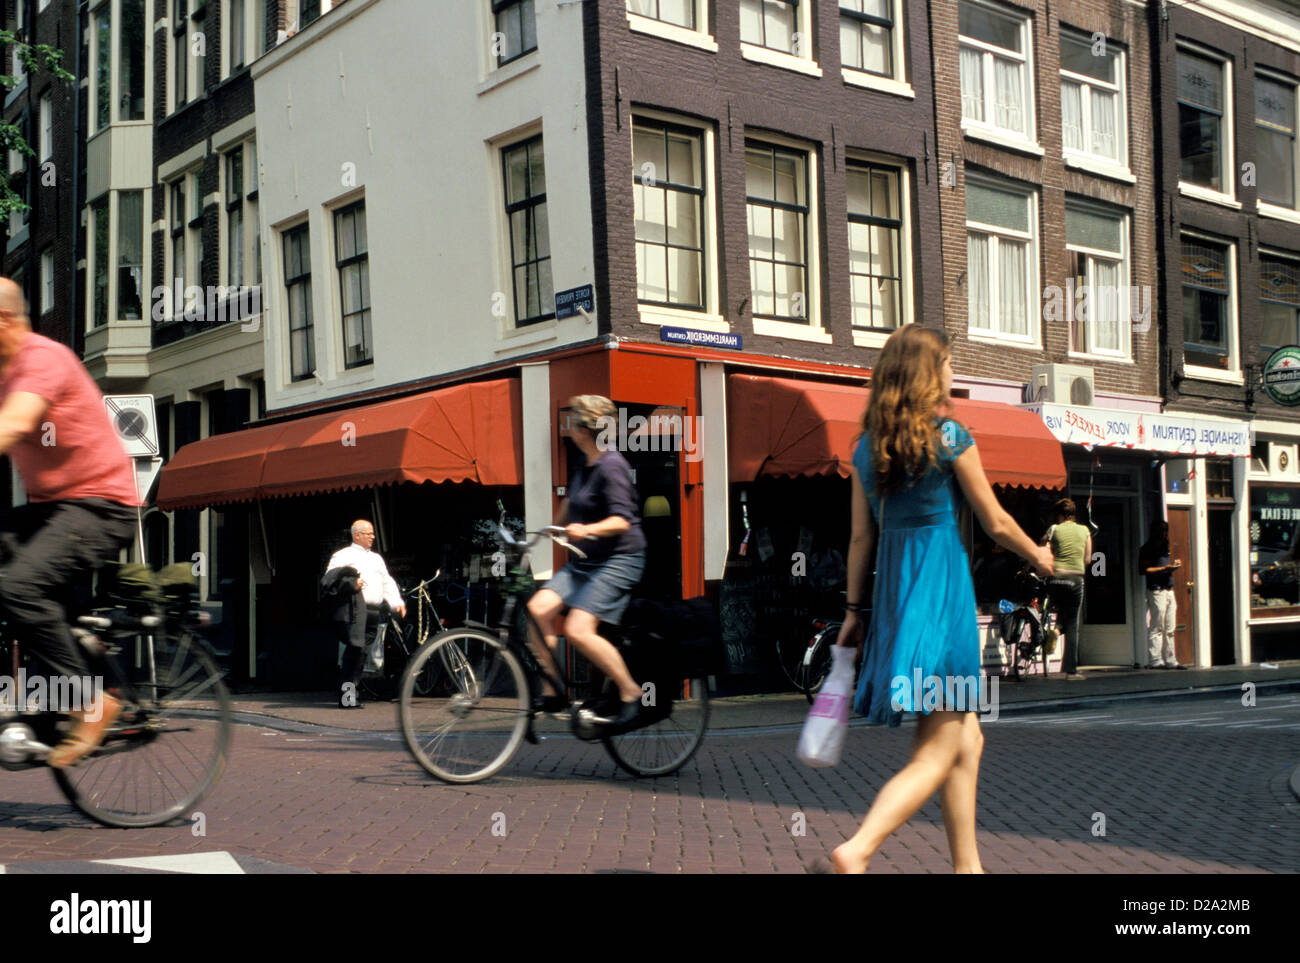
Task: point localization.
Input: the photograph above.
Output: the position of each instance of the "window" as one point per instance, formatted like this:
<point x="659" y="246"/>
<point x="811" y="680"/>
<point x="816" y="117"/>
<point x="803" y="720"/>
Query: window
<point x="776" y="198"/>
<point x="353" y="263"/>
<point x="1275" y="141"/>
<point x="235" y="217"/>
<point x="310" y="13"/>
<point x="530" y="242"/>
<point x="679" y="12"/>
<point x="668" y="193"/>
<point x="19" y="184"/>
<point x="250" y="201"/>
<point x="1209" y="331"/>
<point x="100" y="257"/>
<point x="994" y="67"/>
<point x="194" y="227"/>
<point x="180" y="52"/>
<point x="1001" y="260"/>
<point x="770" y="23"/>
<point x="47" y="282"/>
<point x="176" y="207"/>
<point x="1097" y="242"/>
<point x="1093" y="116"/>
<point x="236" y="31"/>
<point x="47" y="128"/>
<point x="103" y="33"/>
<point x="1274" y="550"/>
<point x="1279" y="303"/>
<point x="516" y="29"/>
<point x="876" y="246"/>
<point x="1203" y="148"/>
<point x="297" y="281"/>
<point x="130" y="255"/>
<point x="867" y="36"/>
<point x="240" y="261"/>
<point x="130" y="60"/>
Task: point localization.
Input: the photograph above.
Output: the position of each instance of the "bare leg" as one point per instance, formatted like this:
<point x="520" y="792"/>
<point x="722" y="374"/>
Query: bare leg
<point x="580" y="629"/>
<point x="958" y="798"/>
<point x="545" y="607"/>
<point x="934" y="751"/>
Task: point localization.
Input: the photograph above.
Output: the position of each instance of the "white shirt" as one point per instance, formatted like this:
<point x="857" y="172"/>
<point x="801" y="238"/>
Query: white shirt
<point x="379" y="586"/>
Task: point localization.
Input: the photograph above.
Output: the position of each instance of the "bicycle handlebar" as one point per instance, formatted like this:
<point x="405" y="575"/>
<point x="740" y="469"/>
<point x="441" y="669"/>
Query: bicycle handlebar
<point x="555" y="533"/>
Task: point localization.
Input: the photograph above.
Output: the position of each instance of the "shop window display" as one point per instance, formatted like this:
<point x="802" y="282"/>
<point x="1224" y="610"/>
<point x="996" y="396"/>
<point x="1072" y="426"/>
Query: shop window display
<point x="1274" y="550"/>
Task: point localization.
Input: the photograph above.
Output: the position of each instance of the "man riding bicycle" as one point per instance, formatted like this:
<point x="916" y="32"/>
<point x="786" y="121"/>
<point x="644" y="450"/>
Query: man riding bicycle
<point x="81" y="502"/>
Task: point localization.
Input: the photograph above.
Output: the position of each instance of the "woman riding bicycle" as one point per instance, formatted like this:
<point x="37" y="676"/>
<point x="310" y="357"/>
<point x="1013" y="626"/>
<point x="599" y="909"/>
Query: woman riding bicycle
<point x="601" y="514"/>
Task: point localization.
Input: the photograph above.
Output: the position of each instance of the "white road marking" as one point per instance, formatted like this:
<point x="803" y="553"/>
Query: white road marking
<point x="1253" y="722"/>
<point x="1177" y="722"/>
<point x="219" y="863"/>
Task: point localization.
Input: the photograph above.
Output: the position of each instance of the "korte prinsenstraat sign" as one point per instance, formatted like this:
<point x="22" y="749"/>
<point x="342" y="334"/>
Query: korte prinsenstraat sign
<point x="1282" y="375"/>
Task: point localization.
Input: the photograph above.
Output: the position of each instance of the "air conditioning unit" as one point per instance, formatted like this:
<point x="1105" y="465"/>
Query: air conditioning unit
<point x="1062" y="384"/>
<point x="1282" y="461"/>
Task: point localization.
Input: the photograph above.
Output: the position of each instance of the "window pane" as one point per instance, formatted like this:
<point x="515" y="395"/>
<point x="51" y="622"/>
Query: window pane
<point x="1275" y="104"/>
<point x="1205" y="265"/>
<point x="989" y="205"/>
<point x="1012" y="286"/>
<point x="684" y="277"/>
<point x="1009" y="111"/>
<point x="751" y="21"/>
<point x="541" y="231"/>
<point x="1200" y="81"/>
<point x="1077" y="57"/>
<point x="1104" y="305"/>
<point x="683" y="160"/>
<point x="1276" y="166"/>
<point x="977" y="260"/>
<point x="981" y="24"/>
<point x="789" y="179"/>
<point x="130" y="255"/>
<point x="235" y="174"/>
<point x="972" y="84"/>
<point x="648" y="148"/>
<point x="1279" y="325"/>
<point x="1105" y="107"/>
<point x="516" y="175"/>
<point x="760" y="232"/>
<point x="235" y="247"/>
<point x="1072" y="115"/>
<point x="791" y="293"/>
<point x="536" y="169"/>
<point x="788" y="236"/>
<point x="683" y="220"/>
<point x="758" y="173"/>
<point x="850" y="43"/>
<point x="884" y="194"/>
<point x="1199" y="147"/>
<point x="130" y="81"/>
<point x="345" y="236"/>
<point x="779" y="25"/>
<point x="651" y="272"/>
<point x="99" y="213"/>
<point x="103" y="65"/>
<point x="858" y="183"/>
<point x="1087" y="228"/>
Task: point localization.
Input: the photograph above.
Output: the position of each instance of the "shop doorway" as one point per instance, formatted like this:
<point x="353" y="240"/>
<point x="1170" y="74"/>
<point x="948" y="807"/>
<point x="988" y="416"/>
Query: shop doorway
<point x="1180" y="550"/>
<point x="1222" y="636"/>
<point x="1107" y="631"/>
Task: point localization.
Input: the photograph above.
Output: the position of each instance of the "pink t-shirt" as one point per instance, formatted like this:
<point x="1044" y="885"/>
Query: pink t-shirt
<point x="74" y="451"/>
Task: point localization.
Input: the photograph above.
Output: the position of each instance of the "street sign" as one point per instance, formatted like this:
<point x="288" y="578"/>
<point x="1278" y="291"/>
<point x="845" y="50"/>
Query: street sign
<point x="712" y="339"/>
<point x="568" y="302"/>
<point x="134" y="421"/>
<point x="146" y="473"/>
<point x="1281" y="376"/>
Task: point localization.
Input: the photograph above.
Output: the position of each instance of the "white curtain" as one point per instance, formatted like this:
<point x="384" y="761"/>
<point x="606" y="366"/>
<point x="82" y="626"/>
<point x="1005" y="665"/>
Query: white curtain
<point x="977" y="279"/>
<point x="1012" y="287"/>
<point x="1103" y="124"/>
<point x="1072" y="116"/>
<point x="1010" y="114"/>
<point x="972" y="85"/>
<point x="1106" y="306"/>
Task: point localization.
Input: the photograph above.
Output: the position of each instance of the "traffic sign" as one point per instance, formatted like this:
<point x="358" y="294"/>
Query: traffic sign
<point x="135" y="422"/>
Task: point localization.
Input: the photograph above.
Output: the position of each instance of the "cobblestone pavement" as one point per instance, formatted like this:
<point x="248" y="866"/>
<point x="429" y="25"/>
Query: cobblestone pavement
<point x="1192" y="786"/>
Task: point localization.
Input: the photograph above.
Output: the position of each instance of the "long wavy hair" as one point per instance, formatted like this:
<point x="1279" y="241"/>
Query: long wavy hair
<point x="906" y="395"/>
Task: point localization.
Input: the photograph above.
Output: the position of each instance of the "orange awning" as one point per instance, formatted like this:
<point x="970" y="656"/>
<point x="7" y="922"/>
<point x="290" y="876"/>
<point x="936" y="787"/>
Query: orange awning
<point x="785" y="427"/>
<point x="463" y="433"/>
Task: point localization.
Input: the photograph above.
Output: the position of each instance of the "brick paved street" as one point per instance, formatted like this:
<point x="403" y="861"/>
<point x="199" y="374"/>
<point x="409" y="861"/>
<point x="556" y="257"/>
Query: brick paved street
<point x="1189" y="786"/>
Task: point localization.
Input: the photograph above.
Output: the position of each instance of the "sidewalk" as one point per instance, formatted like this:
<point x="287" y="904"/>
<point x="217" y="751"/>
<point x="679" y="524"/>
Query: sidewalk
<point x="1103" y="686"/>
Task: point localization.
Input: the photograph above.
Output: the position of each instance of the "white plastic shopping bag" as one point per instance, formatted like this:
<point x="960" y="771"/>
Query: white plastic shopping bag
<point x="822" y="739"/>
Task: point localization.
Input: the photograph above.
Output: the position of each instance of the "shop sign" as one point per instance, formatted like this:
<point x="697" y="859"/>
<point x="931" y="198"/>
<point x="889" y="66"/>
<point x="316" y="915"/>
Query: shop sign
<point x="1144" y="431"/>
<point x="1282" y="376"/>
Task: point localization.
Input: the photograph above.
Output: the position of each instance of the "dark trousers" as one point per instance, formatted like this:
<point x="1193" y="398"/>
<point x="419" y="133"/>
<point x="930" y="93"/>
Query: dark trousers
<point x="354" y="656"/>
<point x="51" y="546"/>
<point x="1066" y="593"/>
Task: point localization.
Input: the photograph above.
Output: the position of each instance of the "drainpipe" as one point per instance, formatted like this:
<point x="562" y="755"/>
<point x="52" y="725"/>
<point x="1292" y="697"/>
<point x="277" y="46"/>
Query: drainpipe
<point x="76" y="178"/>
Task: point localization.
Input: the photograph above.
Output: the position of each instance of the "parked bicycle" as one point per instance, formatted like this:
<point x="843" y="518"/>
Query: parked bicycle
<point x="480" y="710"/>
<point x="168" y="746"/>
<point x="400" y="640"/>
<point x="1028" y="625"/>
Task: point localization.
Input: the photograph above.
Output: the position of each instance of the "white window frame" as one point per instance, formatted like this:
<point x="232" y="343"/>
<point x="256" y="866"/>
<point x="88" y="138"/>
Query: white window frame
<point x="364" y="369"/>
<point x="250" y="35"/>
<point x="896" y="84"/>
<point x="813" y="329"/>
<point x="193" y="81"/>
<point x="1265" y="208"/>
<point x="250" y="245"/>
<point x="1275" y="254"/>
<point x="1124" y="302"/>
<point x="1233" y="374"/>
<point x="985" y="128"/>
<point x="1033" y="303"/>
<point x="699" y="37"/>
<point x="190" y="178"/>
<point x="46" y="127"/>
<point x="803" y="62"/>
<point x="863" y="337"/>
<point x="1227" y="173"/>
<point x="710" y="317"/>
<point x="47" y="281"/>
<point x="289" y="383"/>
<point x="1120" y="89"/>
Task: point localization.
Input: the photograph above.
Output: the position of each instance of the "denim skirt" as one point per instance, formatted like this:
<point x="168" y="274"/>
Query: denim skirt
<point x="602" y="588"/>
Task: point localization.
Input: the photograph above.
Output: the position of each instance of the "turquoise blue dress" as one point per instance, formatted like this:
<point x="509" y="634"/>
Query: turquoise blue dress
<point x="923" y="607"/>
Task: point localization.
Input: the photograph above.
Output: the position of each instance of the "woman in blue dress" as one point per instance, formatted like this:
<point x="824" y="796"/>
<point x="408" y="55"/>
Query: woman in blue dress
<point x="911" y="468"/>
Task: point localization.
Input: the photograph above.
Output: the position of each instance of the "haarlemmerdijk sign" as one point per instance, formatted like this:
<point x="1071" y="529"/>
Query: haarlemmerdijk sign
<point x="1145" y="431"/>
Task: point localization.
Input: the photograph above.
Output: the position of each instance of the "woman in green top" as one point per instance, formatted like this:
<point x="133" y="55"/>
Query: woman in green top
<point x="1072" y="548"/>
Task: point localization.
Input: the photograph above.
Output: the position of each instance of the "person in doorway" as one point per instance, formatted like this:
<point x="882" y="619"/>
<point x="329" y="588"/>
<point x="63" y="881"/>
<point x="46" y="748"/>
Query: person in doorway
<point x="910" y="471"/>
<point x="81" y="503"/>
<point x="1071" y="545"/>
<point x="1154" y="563"/>
<point x="601" y="514"/>
<point x="375" y="587"/>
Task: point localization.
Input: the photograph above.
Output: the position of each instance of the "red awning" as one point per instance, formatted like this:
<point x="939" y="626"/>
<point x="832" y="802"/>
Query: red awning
<point x="463" y="433"/>
<point x="785" y="427"/>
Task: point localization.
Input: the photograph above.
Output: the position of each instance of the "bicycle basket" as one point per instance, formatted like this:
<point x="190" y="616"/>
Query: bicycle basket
<point x="178" y="583"/>
<point x="131" y="582"/>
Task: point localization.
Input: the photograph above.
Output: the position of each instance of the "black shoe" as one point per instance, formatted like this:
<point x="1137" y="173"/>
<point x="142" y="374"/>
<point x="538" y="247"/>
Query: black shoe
<point x="629" y="715"/>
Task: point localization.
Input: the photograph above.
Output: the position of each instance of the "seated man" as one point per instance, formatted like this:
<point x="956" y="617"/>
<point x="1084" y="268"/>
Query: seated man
<point x="81" y="501"/>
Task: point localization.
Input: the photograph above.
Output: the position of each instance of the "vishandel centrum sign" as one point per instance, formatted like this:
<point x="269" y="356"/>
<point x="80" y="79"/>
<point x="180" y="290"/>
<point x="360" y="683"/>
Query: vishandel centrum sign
<point x="1282" y="375"/>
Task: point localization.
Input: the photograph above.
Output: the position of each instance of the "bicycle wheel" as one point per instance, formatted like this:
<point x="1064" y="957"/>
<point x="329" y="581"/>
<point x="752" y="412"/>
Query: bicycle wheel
<point x="790" y="656"/>
<point x="475" y="715"/>
<point x="817" y="662"/>
<point x="425" y="681"/>
<point x="667" y="744"/>
<point x="168" y="746"/>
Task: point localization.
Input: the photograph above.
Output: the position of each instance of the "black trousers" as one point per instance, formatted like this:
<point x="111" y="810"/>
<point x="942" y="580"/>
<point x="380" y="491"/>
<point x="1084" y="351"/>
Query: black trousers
<point x="354" y="656"/>
<point x="1066" y="593"/>
<point x="52" y="546"/>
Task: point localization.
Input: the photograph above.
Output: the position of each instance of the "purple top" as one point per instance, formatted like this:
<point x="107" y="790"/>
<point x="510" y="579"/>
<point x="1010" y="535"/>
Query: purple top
<point x="600" y="490"/>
